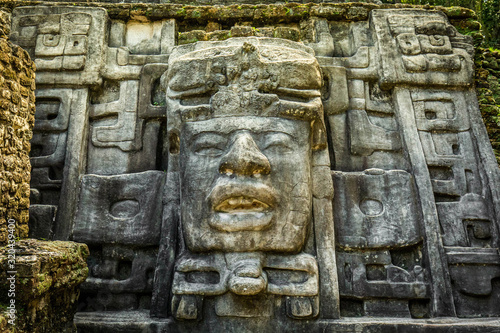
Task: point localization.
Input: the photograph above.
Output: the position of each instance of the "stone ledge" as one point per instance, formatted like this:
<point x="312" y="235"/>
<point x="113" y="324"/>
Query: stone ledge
<point x="282" y="13"/>
<point x="140" y="321"/>
<point x="47" y="280"/>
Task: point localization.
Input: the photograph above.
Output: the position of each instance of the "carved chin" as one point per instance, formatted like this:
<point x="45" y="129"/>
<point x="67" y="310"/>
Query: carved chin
<point x="241" y="221"/>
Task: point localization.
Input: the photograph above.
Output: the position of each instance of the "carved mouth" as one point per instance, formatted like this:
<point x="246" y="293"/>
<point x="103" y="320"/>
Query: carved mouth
<point x="242" y="197"/>
<point x="241" y="204"/>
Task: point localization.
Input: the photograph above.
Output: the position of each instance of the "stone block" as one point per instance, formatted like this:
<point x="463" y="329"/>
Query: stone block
<point x="379" y="209"/>
<point x="214" y="192"/>
<point x="66" y="42"/>
<point x="419" y="51"/>
<point x="47" y="281"/>
<point x="122" y="209"/>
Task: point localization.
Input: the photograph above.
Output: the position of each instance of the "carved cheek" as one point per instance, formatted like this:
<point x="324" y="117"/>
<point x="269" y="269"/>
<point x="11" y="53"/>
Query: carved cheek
<point x="200" y="172"/>
<point x="287" y="176"/>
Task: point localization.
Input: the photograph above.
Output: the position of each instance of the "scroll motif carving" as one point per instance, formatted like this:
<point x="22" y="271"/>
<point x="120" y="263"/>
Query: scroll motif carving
<point x="257" y="183"/>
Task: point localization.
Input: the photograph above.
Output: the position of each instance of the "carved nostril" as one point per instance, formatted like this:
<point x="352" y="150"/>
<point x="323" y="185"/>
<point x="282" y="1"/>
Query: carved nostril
<point x="244" y="158"/>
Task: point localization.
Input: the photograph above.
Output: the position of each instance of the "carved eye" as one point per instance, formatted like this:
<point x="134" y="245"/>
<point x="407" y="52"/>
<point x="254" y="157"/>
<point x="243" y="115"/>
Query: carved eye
<point x="209" y="151"/>
<point x="278" y="143"/>
<point x="278" y="148"/>
<point x="209" y="145"/>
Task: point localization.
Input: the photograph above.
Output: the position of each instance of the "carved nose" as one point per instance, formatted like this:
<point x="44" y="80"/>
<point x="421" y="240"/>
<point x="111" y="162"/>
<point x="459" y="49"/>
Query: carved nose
<point x="245" y="158"/>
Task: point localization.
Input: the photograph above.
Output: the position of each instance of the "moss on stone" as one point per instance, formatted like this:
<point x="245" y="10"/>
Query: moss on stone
<point x="47" y="292"/>
<point x="487" y="82"/>
<point x="456" y="12"/>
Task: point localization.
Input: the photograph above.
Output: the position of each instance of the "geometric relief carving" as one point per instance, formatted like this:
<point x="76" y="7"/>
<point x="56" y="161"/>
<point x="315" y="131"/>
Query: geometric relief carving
<point x="125" y="130"/>
<point x="367" y="137"/>
<point x="358" y="151"/>
<point x="290" y="275"/>
<point x="57" y="134"/>
<point x="47" y="157"/>
<point x="475" y="274"/>
<point x="451" y="161"/>
<point x="378" y="100"/>
<point x="321" y="37"/>
<point x="440" y="110"/>
<point x="121" y="121"/>
<point x="359" y="63"/>
<point x="52" y="119"/>
<point x="418" y="50"/>
<point x="49" y="149"/>
<point x="134" y="45"/>
<point x="151" y="104"/>
<point x="335" y="97"/>
<point x="65" y="52"/>
<point x="444" y="129"/>
<point x="46" y="178"/>
<point x="48" y="145"/>
<point x="373" y="274"/>
<point x="435" y="44"/>
<point x="61" y="40"/>
<point x="467" y="223"/>
<point x="52" y="109"/>
<point x="123" y="209"/>
<point x="120" y="278"/>
<point x="375" y="209"/>
<point x="220" y="275"/>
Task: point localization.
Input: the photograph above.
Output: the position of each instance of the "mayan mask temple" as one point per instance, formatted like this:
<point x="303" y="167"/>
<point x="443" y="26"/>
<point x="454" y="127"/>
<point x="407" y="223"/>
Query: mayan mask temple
<point x="318" y="167"/>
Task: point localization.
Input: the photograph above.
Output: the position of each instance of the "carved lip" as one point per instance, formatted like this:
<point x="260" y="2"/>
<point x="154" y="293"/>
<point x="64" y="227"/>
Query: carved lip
<point x="237" y="198"/>
<point x="232" y="222"/>
<point x="242" y="206"/>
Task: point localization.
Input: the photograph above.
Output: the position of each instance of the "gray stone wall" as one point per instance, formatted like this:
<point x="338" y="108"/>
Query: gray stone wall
<point x="17" y="111"/>
<point x="346" y="171"/>
<point x="43" y="295"/>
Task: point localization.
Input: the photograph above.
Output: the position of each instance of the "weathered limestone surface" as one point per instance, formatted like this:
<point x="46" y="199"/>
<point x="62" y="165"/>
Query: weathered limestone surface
<point x="47" y="281"/>
<point x="42" y="278"/>
<point x="254" y="167"/>
<point x="17" y="112"/>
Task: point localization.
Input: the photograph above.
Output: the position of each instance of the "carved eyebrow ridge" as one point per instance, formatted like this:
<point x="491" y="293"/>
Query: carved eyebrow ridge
<point x="188" y="93"/>
<point x="218" y="133"/>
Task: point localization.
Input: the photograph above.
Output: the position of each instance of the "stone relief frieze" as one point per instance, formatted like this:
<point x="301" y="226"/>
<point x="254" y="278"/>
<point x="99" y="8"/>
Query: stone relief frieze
<point x="66" y="43"/>
<point x="342" y="172"/>
<point x="420" y="49"/>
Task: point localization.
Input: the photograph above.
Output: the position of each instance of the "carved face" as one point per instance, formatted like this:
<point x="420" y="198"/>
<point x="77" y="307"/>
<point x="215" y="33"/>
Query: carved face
<point x="245" y="183"/>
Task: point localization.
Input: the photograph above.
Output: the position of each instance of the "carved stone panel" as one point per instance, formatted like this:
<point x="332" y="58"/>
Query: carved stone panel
<point x="417" y="49"/>
<point x="259" y="168"/>
<point x="120" y="278"/>
<point x="375" y="209"/>
<point x="48" y="157"/>
<point x="236" y="122"/>
<point x="66" y="43"/>
<point x="123" y="209"/>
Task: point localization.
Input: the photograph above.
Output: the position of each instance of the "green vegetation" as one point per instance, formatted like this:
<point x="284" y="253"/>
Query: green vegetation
<point x="488" y="12"/>
<point x="484" y="28"/>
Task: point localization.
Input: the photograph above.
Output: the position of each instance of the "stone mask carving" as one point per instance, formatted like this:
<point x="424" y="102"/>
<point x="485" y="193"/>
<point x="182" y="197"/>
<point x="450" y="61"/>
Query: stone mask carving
<point x="244" y="117"/>
<point x="248" y="115"/>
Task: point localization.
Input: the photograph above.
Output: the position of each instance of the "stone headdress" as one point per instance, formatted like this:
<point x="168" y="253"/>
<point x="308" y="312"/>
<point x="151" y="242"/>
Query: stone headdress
<point x="261" y="77"/>
<point x="265" y="77"/>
